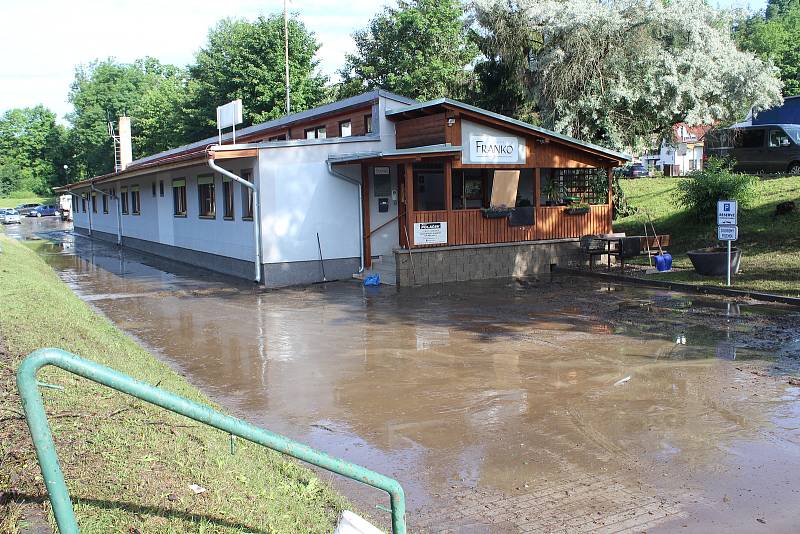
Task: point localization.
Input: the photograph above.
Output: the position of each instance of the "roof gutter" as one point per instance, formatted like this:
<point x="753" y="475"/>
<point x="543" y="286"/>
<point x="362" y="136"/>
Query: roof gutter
<point x="256" y="208"/>
<point x="356" y="183"/>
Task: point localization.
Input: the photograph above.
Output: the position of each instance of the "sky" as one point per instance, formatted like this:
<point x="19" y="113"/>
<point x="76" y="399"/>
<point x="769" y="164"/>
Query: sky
<point x="43" y="40"/>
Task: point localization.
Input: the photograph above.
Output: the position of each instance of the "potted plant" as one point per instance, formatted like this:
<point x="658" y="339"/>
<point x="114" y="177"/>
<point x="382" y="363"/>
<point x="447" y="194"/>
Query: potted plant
<point x="577" y="209"/>
<point x="712" y="261"/>
<point x="496" y="212"/>
<point x="552" y="193"/>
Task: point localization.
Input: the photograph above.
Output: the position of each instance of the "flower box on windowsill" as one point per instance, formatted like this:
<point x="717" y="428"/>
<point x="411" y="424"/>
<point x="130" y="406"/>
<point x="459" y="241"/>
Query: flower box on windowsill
<point x="496" y="213"/>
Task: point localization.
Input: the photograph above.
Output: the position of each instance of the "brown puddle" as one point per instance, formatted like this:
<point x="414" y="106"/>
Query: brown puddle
<point x="494" y="403"/>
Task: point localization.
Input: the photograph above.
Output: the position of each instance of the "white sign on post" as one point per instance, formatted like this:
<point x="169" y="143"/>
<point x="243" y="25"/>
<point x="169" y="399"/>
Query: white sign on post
<point x="727" y="232"/>
<point x="229" y="115"/>
<point x="726" y="212"/>
<point x="430" y="233"/>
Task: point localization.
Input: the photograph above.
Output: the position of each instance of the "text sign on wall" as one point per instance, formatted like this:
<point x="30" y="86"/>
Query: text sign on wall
<point x="727" y="232"/>
<point x="430" y="233"/>
<point x="726" y="212"/>
<point x="493" y="149"/>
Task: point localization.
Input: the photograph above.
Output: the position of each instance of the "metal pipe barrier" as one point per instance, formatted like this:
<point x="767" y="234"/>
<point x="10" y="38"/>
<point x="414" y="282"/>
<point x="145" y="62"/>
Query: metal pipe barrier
<point x="51" y="470"/>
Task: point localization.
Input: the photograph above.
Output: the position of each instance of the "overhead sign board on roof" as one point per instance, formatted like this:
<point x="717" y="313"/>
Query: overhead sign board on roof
<point x="229" y="115"/>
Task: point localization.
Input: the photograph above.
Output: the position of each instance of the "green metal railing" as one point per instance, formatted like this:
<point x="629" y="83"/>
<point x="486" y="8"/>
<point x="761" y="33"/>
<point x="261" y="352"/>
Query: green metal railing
<point x="54" y="477"/>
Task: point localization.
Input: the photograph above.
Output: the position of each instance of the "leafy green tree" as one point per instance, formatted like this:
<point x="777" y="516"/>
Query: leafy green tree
<point x="30" y="149"/>
<point x="421" y="49"/>
<point x="102" y="91"/>
<point x="244" y="59"/>
<point x="622" y="72"/>
<point x="774" y="35"/>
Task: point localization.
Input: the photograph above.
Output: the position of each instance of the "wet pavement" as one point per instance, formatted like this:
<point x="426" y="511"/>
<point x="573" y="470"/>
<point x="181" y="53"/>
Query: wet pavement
<point x="555" y="405"/>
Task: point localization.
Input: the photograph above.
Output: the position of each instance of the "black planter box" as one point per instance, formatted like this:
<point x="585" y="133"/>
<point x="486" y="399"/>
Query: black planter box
<point x="712" y="261"/>
<point x="576" y="211"/>
<point x="496" y="213"/>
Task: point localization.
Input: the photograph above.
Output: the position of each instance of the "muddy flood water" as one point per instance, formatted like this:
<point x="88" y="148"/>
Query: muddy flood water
<point x="563" y="404"/>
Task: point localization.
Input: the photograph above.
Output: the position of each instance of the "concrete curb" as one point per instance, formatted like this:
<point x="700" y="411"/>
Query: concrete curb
<point x="688" y="288"/>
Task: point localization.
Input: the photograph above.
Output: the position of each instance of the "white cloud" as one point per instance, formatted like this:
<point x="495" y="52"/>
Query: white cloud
<point x="44" y="40"/>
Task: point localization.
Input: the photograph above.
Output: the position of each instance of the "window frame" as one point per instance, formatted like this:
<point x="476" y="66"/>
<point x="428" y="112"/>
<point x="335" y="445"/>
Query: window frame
<point x="136" y="200"/>
<point x="161" y="188"/>
<point x="93" y="201"/>
<point x="206" y="181"/>
<point x="316" y="131"/>
<point x="123" y="194"/>
<point x="228" y="200"/>
<point x="349" y="124"/>
<point x="368" y="126"/>
<point x="179" y="184"/>
<point x="105" y="201"/>
<point x="248" y="205"/>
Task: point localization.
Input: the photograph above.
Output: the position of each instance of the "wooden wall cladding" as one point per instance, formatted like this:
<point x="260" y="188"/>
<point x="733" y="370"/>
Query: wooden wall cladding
<point x="422" y="131"/>
<point x="556" y="156"/>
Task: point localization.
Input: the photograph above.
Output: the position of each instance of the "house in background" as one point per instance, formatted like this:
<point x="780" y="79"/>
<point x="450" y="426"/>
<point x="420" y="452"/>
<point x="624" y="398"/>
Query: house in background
<point x="359" y="184"/>
<point x="683" y="154"/>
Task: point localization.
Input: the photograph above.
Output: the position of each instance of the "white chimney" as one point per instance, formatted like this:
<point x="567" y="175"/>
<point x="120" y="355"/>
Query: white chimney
<point x="125" y="146"/>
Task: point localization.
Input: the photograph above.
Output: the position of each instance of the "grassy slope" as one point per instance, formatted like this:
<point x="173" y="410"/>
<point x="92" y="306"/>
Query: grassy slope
<point x="129" y="465"/>
<point x="771" y="245"/>
<point x="12" y="202"/>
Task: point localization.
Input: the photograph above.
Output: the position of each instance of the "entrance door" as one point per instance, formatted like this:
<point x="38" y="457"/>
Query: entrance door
<point x="383" y="209"/>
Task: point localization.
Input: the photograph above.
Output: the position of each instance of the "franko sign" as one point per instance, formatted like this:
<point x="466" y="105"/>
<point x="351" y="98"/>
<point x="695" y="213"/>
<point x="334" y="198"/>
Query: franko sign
<point x="492" y="149"/>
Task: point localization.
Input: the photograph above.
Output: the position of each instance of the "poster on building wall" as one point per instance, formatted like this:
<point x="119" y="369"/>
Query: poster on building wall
<point x="493" y="149"/>
<point x="430" y="233"/>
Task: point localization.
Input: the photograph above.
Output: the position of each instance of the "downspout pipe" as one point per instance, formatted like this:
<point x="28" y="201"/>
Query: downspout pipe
<point x="256" y="209"/>
<point x="119" y="218"/>
<point x="361" y="234"/>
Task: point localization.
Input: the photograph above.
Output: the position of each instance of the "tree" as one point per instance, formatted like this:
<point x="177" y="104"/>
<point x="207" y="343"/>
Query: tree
<point x="244" y="59"/>
<point x="30" y="149"/>
<point x="774" y="35"/>
<point x="622" y="72"/>
<point x="421" y="49"/>
<point x="105" y="90"/>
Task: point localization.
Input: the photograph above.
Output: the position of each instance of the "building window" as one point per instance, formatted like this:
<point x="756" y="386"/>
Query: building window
<point x="74" y="204"/>
<point x="136" y="200"/>
<point x="227" y="198"/>
<point x="179" y="197"/>
<point x="368" y="123"/>
<point x="94" y="202"/>
<point x="247" y="197"/>
<point x="471" y="188"/>
<point x="429" y="187"/>
<point x="105" y="201"/>
<point x="205" y="194"/>
<point x="281" y="137"/>
<point x="83" y="202"/>
<point x="318" y="132"/>
<point x="153" y="187"/>
<point x="123" y="193"/>
<point x="161" y="188"/>
<point x="345" y="128"/>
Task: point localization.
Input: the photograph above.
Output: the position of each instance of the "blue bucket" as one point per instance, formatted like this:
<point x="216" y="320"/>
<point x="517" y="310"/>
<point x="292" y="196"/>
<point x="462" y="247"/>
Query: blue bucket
<point x="663" y="262"/>
<point x="372" y="280"/>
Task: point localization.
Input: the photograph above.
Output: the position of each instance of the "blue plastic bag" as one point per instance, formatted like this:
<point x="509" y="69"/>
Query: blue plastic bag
<point x="663" y="262"/>
<point x="372" y="280"/>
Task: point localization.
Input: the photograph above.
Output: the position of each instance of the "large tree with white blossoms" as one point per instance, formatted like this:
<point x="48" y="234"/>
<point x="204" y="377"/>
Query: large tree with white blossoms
<point x="622" y="72"/>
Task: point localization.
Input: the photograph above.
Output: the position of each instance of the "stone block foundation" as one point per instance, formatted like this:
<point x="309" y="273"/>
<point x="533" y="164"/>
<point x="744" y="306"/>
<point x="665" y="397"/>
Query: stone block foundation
<point x="437" y="265"/>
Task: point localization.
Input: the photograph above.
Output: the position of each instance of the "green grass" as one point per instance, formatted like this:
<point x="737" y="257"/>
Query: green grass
<point x="770" y="244"/>
<point x="24" y="197"/>
<point x="129" y="465"/>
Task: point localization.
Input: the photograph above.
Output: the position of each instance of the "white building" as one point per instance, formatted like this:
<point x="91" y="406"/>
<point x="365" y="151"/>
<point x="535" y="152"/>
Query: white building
<point x="331" y="186"/>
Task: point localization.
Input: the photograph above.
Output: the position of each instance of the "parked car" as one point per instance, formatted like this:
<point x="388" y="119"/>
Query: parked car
<point x="25" y="209"/>
<point x="10" y="216"/>
<point x="43" y="211"/>
<point x="637" y="170"/>
<point x="770" y="148"/>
